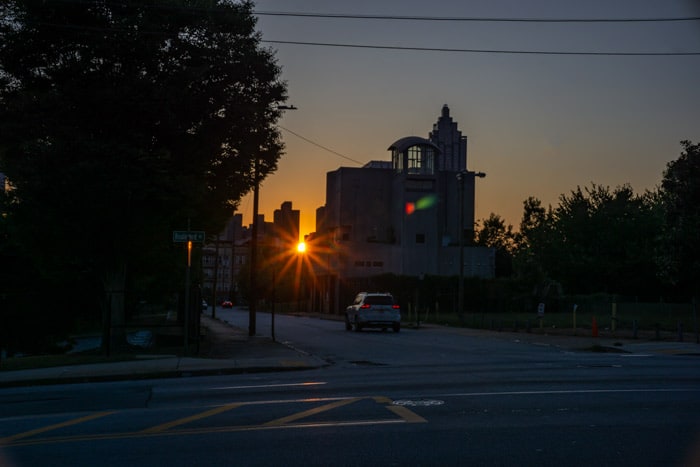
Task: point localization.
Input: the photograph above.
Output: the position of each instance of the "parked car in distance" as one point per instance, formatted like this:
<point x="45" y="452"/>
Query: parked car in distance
<point x="227" y="304"/>
<point x="373" y="310"/>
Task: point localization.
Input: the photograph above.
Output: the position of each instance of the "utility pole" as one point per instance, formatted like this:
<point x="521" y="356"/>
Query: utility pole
<point x="254" y="253"/>
<point x="254" y="241"/>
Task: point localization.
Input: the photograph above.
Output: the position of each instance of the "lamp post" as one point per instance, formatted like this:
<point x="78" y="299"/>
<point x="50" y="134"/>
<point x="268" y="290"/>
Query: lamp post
<point x="461" y="178"/>
<point x="460" y="286"/>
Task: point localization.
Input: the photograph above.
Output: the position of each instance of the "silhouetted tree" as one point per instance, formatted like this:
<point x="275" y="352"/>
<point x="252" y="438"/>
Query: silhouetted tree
<point x="494" y="233"/>
<point x="122" y="120"/>
<point x="679" y="258"/>
<point x="533" y="241"/>
<point x="595" y="240"/>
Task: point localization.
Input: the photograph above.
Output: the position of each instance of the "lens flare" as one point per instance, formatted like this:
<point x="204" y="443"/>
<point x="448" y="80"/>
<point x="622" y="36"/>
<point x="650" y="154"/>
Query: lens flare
<point x="425" y="202"/>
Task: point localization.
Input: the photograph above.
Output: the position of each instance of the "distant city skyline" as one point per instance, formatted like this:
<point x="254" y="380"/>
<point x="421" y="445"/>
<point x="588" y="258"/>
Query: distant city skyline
<point x="537" y="124"/>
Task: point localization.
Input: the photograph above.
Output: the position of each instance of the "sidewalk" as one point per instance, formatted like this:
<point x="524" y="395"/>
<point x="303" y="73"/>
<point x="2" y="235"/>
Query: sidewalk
<point x="226" y="349"/>
<point x="223" y="350"/>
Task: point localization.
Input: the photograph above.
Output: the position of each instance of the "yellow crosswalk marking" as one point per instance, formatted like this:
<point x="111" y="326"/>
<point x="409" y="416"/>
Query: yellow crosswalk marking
<point x="44" y="429"/>
<point x="408" y="415"/>
<point x="310" y="412"/>
<point x="199" y="416"/>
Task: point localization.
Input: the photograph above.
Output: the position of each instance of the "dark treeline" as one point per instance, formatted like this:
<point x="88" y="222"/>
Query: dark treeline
<point x="602" y="240"/>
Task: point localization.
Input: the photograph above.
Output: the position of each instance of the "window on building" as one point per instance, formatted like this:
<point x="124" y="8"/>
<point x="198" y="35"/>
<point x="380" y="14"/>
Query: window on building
<point x="414" y="160"/>
<point x="397" y="160"/>
<point x="420" y="238"/>
<point x="421" y="160"/>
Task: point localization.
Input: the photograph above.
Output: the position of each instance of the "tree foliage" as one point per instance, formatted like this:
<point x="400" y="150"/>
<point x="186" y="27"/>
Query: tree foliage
<point x="121" y="121"/>
<point x="494" y="233"/>
<point x="595" y="240"/>
<point x="679" y="257"/>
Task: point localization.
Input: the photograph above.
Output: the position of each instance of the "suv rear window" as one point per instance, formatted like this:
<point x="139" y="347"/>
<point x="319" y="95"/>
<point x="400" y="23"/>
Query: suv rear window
<point x="379" y="300"/>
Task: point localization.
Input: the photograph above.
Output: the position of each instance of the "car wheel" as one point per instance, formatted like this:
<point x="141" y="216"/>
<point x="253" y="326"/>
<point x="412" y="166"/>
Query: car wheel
<point x="397" y="327"/>
<point x="348" y="326"/>
<point x="358" y="326"/>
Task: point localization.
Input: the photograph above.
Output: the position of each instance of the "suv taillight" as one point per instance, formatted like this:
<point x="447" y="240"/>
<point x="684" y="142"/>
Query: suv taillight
<point x="395" y="307"/>
<point x="365" y="305"/>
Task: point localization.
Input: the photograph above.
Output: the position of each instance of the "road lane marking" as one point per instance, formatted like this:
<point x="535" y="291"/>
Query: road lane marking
<point x="407" y="415"/>
<point x="44" y="429"/>
<point x="563" y="391"/>
<point x="310" y="412"/>
<point x="170" y="428"/>
<point x="196" y="431"/>
<point x="199" y="416"/>
<point x="258" y="386"/>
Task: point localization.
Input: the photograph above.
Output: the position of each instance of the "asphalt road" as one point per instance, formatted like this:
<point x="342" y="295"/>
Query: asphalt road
<point x="429" y="396"/>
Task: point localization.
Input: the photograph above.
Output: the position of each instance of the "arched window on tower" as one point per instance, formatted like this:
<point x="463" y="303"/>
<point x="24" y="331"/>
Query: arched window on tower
<point x="421" y="160"/>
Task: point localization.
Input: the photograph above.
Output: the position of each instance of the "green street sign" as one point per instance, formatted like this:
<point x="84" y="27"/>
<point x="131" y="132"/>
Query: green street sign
<point x="188" y="235"/>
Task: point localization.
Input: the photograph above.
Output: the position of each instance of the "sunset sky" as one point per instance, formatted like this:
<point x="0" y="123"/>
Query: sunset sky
<point x="538" y="124"/>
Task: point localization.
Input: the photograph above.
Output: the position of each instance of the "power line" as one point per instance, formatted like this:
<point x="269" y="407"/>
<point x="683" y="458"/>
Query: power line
<point x="321" y="146"/>
<point x="475" y="19"/>
<point x="482" y="51"/>
<point x="196" y="9"/>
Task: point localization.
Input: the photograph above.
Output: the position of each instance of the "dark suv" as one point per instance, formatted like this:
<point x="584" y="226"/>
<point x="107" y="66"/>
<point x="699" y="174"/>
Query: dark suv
<point x="373" y="310"/>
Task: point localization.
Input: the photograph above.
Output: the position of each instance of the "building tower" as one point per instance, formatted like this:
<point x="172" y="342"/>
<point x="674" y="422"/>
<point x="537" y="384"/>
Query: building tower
<point x="453" y="146"/>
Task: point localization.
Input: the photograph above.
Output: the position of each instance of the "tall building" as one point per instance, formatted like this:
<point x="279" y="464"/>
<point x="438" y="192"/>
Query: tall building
<point x="286" y="223"/>
<point x="411" y="216"/>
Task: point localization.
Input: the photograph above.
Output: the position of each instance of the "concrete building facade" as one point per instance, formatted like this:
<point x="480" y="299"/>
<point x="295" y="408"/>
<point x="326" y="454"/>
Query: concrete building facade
<point x="411" y="216"/>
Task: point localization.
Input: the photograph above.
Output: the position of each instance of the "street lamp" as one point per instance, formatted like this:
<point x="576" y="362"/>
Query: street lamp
<point x="461" y="178"/>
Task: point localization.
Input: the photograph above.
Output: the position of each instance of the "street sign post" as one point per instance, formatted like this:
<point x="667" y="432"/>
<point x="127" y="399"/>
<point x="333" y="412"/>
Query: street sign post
<point x="188" y="236"/>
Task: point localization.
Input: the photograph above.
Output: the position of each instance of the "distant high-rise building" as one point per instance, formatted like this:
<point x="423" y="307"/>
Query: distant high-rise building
<point x="286" y="223"/>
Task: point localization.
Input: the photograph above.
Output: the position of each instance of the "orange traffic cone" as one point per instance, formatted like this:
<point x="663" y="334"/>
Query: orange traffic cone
<point x="594" y="328"/>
